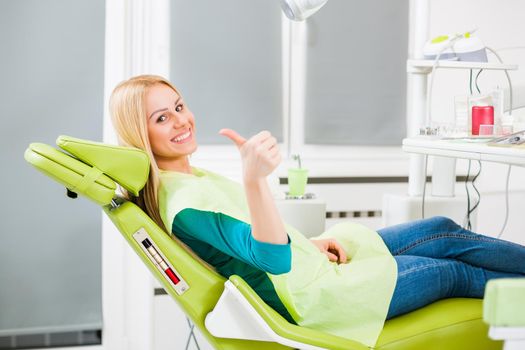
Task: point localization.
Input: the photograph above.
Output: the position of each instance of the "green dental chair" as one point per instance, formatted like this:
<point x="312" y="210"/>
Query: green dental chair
<point x="228" y="312"/>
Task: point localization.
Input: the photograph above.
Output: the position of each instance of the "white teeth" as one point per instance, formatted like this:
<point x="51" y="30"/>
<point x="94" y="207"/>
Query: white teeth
<point x="182" y="137"/>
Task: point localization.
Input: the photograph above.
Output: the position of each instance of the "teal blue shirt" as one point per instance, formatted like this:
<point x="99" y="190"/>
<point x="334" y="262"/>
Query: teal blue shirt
<point x="227" y="244"/>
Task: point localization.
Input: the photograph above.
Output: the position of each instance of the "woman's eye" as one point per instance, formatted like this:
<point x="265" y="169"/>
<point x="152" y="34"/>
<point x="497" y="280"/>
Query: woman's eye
<point x="161" y="118"/>
<point x="178" y="108"/>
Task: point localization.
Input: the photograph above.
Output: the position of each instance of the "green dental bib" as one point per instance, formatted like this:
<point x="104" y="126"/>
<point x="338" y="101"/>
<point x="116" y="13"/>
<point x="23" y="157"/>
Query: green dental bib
<point x="349" y="300"/>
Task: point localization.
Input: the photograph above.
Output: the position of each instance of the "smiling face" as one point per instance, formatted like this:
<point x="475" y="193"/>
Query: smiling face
<point x="170" y="128"/>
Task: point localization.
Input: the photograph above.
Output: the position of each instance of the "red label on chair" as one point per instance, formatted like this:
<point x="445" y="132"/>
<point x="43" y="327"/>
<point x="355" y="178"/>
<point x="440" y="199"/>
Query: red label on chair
<point x="172" y="276"/>
<point x="158" y="259"/>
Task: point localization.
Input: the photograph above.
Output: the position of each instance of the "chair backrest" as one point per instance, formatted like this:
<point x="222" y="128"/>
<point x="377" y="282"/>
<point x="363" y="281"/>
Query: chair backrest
<point x="92" y="171"/>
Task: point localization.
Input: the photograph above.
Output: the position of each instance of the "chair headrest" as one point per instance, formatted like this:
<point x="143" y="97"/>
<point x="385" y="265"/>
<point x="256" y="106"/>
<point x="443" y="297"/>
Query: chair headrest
<point x="127" y="166"/>
<point x="72" y="173"/>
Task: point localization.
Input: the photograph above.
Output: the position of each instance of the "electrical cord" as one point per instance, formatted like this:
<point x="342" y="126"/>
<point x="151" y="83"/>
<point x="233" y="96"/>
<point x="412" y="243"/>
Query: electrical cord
<point x="475" y="81"/>
<point x="473" y="183"/>
<point x="506" y="203"/>
<point x="477" y="76"/>
<point x="466" y="222"/>
<point x="424" y="189"/>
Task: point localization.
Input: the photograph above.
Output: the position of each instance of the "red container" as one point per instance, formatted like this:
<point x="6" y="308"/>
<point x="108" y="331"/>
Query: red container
<point x="481" y="115"/>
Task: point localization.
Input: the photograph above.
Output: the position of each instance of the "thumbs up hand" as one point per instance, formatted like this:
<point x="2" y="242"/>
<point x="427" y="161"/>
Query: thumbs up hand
<point x="260" y="154"/>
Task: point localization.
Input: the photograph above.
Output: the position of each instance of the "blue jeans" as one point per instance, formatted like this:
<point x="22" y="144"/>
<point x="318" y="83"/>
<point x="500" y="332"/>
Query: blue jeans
<point x="437" y="259"/>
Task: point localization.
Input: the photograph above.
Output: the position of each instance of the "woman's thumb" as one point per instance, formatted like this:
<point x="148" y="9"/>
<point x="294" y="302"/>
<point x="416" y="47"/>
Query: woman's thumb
<point x="232" y="135"/>
<point x="331" y="256"/>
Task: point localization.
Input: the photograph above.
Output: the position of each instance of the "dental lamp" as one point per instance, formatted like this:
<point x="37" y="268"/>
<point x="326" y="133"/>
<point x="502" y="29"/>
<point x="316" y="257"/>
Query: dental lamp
<point x="299" y="10"/>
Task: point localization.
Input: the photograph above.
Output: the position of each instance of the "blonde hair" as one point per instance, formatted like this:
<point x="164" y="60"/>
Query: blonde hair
<point x="128" y="113"/>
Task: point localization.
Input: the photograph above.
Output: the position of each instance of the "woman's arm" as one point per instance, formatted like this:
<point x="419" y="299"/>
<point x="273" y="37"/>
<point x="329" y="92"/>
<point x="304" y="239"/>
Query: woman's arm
<point x="260" y="156"/>
<point x="206" y="231"/>
<point x="267" y="225"/>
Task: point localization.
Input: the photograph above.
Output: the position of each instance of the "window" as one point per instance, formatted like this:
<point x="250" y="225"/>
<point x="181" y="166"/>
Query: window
<point x="355" y="84"/>
<point x="334" y="84"/>
<point x="226" y="61"/>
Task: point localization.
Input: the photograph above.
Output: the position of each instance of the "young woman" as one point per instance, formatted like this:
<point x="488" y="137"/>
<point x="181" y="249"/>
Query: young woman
<point x="346" y="281"/>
